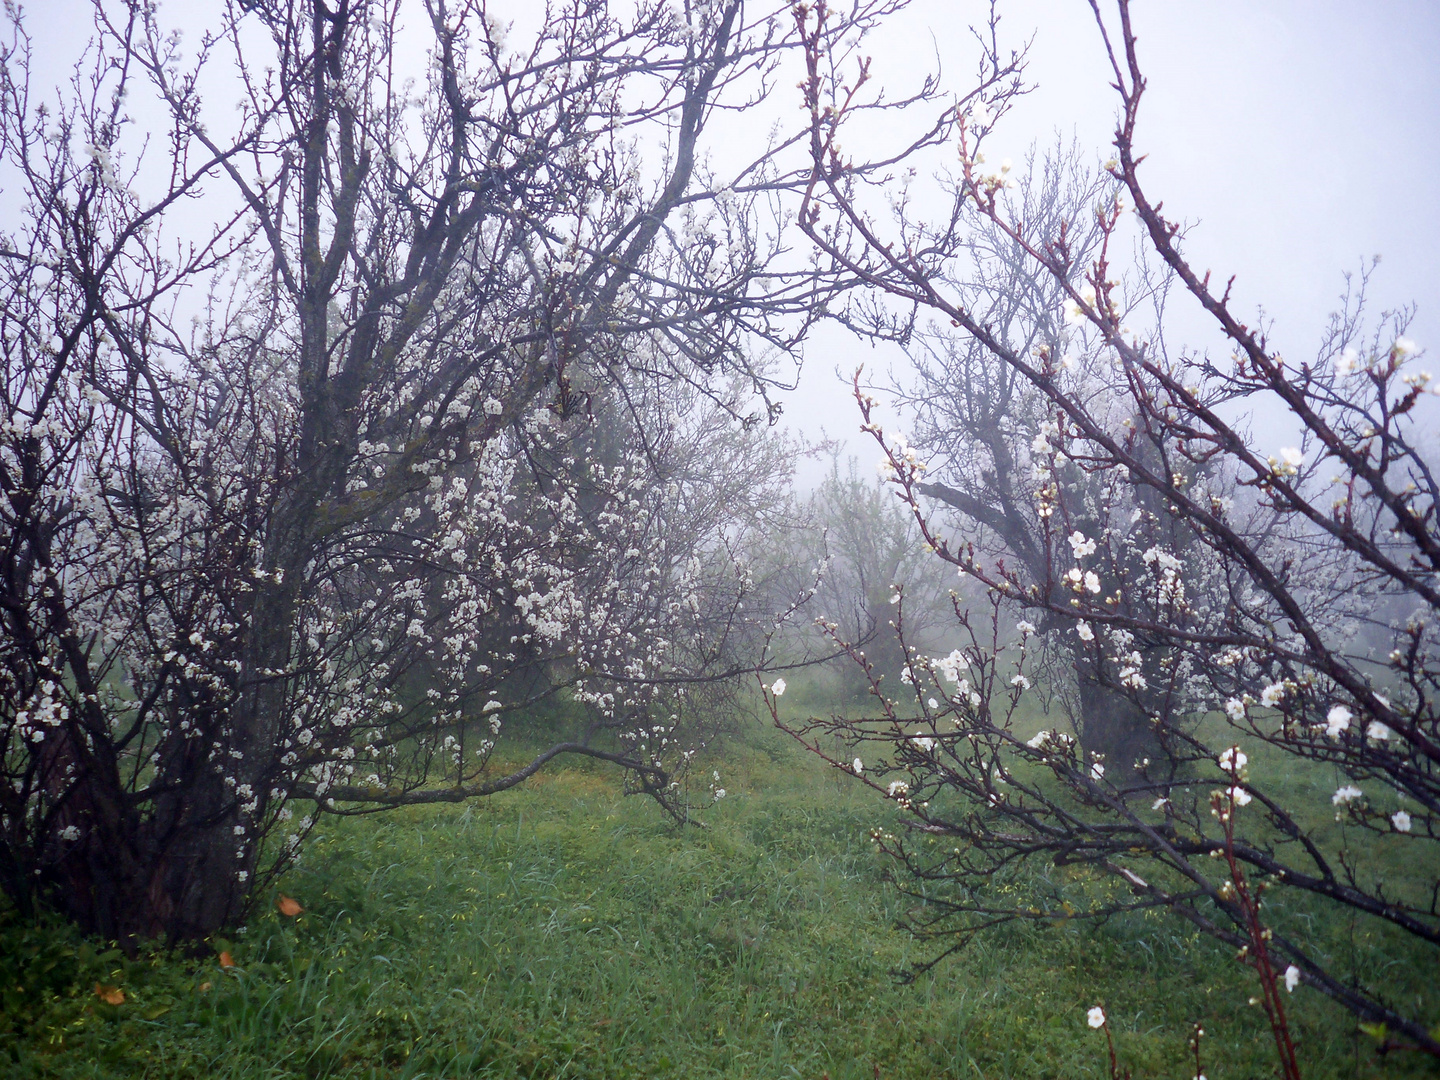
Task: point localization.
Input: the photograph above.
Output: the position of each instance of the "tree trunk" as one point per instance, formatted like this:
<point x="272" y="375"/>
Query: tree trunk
<point x="175" y="874"/>
<point x="1112" y="726"/>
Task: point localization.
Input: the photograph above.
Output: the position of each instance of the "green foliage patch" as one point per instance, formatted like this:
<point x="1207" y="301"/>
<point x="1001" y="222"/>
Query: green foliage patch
<point x="563" y="930"/>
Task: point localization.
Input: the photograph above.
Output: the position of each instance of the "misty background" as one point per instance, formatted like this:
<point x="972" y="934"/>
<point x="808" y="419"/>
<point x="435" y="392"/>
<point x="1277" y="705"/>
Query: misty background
<point x="1298" y="138"/>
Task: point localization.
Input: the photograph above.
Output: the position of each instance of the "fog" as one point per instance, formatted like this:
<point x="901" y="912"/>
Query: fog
<point x="434" y="456"/>
<point x="1299" y="140"/>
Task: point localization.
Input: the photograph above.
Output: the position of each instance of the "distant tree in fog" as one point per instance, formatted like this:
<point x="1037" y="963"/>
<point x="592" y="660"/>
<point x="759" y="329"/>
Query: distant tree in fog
<point x="1216" y="578"/>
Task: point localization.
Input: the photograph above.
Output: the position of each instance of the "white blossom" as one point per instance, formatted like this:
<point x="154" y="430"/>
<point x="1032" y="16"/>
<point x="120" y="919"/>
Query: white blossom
<point x="1075" y="313"/>
<point x="1080" y="545"/>
<point x="1337" y="721"/>
<point x="1233" y="759"/>
<point x="1160" y="558"/>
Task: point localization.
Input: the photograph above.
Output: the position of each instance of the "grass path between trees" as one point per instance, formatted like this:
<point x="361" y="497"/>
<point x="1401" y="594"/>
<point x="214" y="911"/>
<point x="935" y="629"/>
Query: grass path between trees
<point x="563" y="930"/>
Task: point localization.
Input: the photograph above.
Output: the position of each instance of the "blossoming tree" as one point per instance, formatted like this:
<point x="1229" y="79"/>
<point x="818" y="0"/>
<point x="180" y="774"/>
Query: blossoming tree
<point x="300" y="492"/>
<point x="1232" y="594"/>
<point x="987" y="435"/>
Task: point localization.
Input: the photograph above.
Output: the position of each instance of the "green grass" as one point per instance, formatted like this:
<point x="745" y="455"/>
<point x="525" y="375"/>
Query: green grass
<point x="562" y="930"/>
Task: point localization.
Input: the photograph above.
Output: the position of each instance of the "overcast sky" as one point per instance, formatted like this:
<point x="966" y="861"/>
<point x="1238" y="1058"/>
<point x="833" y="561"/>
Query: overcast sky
<point x="1300" y="136"/>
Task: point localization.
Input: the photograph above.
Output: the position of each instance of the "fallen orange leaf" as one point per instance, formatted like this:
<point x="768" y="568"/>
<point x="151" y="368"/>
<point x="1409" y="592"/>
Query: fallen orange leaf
<point x="226" y="960"/>
<point x="204" y="986"/>
<point x="111" y="995"/>
<point x="288" y="906"/>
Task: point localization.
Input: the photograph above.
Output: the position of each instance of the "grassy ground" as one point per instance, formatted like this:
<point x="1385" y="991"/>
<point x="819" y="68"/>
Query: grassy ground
<point x="562" y="930"/>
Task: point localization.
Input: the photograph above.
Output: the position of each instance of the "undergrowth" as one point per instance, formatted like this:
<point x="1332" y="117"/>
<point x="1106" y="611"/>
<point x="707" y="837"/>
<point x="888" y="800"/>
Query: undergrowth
<point x="563" y="930"/>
